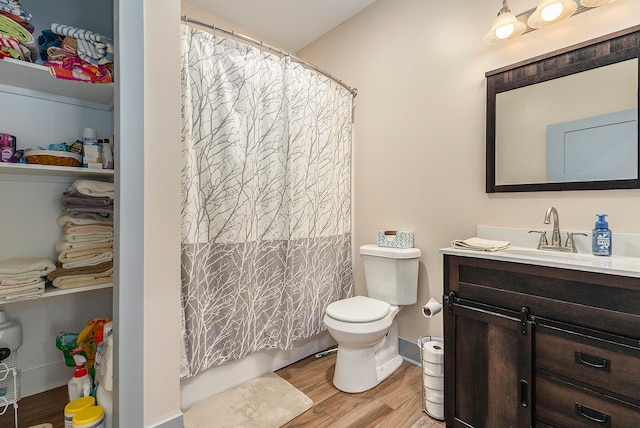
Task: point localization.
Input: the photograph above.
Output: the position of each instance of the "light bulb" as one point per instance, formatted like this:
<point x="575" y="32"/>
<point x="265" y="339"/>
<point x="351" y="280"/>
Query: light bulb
<point x="504" y="31"/>
<point x="551" y="12"/>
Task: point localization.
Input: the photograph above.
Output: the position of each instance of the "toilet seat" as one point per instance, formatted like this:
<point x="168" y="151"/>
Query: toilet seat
<point x="358" y="309"/>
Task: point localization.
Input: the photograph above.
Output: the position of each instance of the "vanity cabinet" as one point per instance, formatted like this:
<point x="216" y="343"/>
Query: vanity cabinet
<point x="530" y="345"/>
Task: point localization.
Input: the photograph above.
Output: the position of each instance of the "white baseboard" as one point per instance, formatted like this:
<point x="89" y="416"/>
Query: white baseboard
<point x="39" y="379"/>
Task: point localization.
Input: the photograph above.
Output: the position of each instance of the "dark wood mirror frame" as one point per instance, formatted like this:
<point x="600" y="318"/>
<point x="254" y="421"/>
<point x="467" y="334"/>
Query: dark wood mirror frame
<point x="613" y="48"/>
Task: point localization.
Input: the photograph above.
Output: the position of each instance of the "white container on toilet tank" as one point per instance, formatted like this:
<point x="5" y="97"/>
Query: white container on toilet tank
<point x="365" y="326"/>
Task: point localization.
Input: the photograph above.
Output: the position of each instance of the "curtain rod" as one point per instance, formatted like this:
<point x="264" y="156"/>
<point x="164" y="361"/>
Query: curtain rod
<point x="185" y="18"/>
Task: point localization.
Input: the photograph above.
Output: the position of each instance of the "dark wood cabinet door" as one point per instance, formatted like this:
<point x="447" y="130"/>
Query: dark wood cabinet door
<point x="488" y="367"/>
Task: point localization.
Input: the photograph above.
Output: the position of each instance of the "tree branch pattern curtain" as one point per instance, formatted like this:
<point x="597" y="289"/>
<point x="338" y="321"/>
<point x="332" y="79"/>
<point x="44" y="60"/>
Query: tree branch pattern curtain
<point x="266" y="200"/>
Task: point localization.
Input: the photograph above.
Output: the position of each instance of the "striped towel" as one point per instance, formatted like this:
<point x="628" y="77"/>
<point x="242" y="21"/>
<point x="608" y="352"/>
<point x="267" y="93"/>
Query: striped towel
<point x="13" y="7"/>
<point x="17" y="50"/>
<point x="12" y="28"/>
<point x="92" y="47"/>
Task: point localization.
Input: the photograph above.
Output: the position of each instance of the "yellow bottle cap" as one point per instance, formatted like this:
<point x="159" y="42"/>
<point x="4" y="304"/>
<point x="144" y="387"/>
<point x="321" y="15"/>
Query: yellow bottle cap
<point x="88" y="415"/>
<point x="79" y="404"/>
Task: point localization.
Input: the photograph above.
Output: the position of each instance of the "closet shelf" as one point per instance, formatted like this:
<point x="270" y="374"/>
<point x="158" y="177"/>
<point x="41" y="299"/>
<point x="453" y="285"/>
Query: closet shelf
<point x="54" y="171"/>
<point x="50" y="291"/>
<point x="34" y="80"/>
<point x="53" y="291"/>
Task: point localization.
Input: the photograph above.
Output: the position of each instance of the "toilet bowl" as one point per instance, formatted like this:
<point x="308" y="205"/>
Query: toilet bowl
<point x="367" y="337"/>
<point x="364" y="326"/>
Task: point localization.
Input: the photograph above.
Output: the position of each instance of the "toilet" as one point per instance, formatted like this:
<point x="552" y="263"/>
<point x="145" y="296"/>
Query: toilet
<point x="364" y="326"/>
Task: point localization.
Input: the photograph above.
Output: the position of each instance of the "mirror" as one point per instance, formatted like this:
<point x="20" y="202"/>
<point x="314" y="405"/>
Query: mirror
<point x="567" y="120"/>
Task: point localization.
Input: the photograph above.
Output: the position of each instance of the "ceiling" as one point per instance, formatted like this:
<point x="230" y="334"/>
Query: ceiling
<point x="288" y="24"/>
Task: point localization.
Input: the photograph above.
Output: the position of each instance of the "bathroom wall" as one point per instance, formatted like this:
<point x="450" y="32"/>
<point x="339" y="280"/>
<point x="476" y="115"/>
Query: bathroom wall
<point x="420" y="127"/>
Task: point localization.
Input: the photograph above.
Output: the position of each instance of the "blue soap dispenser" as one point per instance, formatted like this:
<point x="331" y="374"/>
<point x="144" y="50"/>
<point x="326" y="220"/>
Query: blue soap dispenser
<point x="601" y="237"/>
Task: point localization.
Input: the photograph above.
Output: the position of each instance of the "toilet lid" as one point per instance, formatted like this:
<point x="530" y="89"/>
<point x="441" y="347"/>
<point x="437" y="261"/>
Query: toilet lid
<point x="358" y="309"/>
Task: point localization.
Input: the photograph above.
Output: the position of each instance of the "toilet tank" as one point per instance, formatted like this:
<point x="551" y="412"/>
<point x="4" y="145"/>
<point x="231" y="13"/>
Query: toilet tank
<point x="391" y="274"/>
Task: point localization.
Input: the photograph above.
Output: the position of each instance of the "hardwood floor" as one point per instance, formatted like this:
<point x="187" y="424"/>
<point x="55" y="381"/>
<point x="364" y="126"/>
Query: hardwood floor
<point x="39" y="409"/>
<point x="395" y="403"/>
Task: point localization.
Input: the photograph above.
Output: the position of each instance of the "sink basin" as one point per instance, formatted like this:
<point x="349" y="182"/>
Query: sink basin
<point x="548" y="254"/>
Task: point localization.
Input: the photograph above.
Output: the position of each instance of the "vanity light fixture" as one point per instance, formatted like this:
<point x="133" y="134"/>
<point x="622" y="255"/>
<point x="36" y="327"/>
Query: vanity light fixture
<point x="505" y="27"/>
<point x="550" y="12"/>
<point x="508" y="27"/>
<point x="595" y="3"/>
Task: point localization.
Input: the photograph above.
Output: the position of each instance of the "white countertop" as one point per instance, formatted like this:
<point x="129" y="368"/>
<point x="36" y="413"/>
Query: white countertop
<point x="614" y="265"/>
<point x="523" y="250"/>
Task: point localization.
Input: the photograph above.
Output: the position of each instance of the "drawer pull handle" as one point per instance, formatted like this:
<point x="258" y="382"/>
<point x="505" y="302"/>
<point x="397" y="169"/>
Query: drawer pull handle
<point x="524" y="393"/>
<point x="593" y="415"/>
<point x="592" y="361"/>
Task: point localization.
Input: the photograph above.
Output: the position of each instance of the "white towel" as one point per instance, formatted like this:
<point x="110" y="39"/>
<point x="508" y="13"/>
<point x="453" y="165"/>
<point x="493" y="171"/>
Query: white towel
<point x="480" y="244"/>
<point x="68" y="221"/>
<point x="22" y="292"/>
<point x="19" y="282"/>
<point x="94" y="188"/>
<point x="25" y="267"/>
<point x="93" y="237"/>
<point x="62" y="245"/>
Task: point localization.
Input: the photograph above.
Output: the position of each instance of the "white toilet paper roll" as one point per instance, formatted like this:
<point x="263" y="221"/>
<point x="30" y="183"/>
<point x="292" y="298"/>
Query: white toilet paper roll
<point x="434" y="395"/>
<point x="433" y="352"/>
<point x="433" y="369"/>
<point x="431" y="308"/>
<point x="435" y="410"/>
<point x="433" y="382"/>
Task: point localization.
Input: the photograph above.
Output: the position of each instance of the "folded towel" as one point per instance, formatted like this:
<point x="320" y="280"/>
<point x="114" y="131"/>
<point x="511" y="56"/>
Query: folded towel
<point x="67" y="282"/>
<point x="62" y="245"/>
<point x="95" y="270"/>
<point x="25" y="267"/>
<point x="89" y="228"/>
<point x="34" y="291"/>
<point x="480" y="244"/>
<point x="83" y="253"/>
<point x="13" y="29"/>
<point x="94" y="188"/>
<point x="13" y="7"/>
<point x="19" y="282"/>
<point x="88" y="237"/>
<point x="95" y="214"/>
<point x="91" y="261"/>
<point x="92" y="47"/>
<point x="73" y="198"/>
<point x="82" y="276"/>
<point x="15" y="49"/>
<point x="68" y="221"/>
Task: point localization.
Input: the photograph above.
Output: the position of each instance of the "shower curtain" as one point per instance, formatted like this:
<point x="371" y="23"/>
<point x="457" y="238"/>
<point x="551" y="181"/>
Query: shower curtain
<point x="266" y="200"/>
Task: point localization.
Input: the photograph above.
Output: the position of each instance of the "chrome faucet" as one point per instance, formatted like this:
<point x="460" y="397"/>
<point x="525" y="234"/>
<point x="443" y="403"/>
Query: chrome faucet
<point x="555" y="236"/>
<point x="556" y="241"/>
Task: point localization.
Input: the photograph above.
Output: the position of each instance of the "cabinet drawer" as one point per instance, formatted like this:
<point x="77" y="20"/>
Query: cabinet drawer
<point x="561" y="404"/>
<point x="603" y="364"/>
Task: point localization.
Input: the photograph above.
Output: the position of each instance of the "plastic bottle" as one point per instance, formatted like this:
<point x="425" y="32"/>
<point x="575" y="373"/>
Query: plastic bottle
<point x="10" y="332"/>
<point x="601" y="237"/>
<point x="80" y="384"/>
<point x="105" y="399"/>
<point x="107" y="155"/>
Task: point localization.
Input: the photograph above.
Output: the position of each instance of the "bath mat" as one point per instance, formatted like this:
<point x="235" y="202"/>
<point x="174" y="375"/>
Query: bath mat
<point x="266" y="402"/>
<point x="427" y="422"/>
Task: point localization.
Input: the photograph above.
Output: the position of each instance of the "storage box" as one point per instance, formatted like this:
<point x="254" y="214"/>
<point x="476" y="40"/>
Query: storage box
<point x="395" y="239"/>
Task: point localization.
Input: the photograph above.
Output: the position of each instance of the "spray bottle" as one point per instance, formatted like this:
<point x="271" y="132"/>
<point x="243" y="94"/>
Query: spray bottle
<point x="80" y="384"/>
